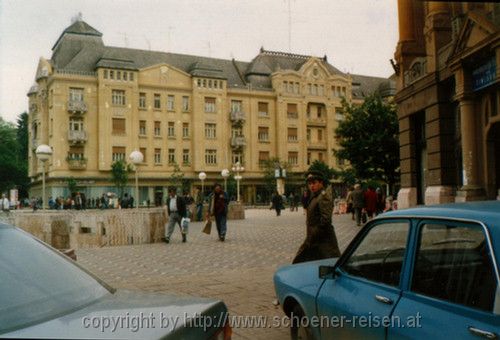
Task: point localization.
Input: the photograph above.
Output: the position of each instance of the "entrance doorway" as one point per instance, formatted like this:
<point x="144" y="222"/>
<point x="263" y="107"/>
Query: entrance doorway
<point x="493" y="160"/>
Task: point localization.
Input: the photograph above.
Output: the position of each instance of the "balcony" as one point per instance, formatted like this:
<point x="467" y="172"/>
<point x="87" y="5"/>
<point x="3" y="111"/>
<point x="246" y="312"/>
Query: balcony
<point x="77" y="106"/>
<point x="77" y="163"/>
<point x="316" y="121"/>
<point x="237" y="116"/>
<point x="77" y="136"/>
<point x="238" y="142"/>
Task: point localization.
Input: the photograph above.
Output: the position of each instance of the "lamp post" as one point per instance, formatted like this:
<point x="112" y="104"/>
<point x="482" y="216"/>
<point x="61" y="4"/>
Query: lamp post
<point x="202" y="177"/>
<point x="225" y="174"/>
<point x="136" y="157"/>
<point x="237" y="168"/>
<point x="43" y="153"/>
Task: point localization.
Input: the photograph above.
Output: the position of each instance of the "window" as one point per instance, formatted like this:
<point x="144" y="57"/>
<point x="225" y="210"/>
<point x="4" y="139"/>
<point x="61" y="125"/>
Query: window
<point x="320" y="112"/>
<point x="293" y="157"/>
<point x="157" y="101"/>
<point x="111" y="74"/>
<point x="379" y="255"/>
<point x="185" y="103"/>
<point x="118" y="153"/>
<point x="75" y="152"/>
<point x="209" y="104"/>
<point x="320" y="135"/>
<point x="76" y="125"/>
<point x="171" y="156"/>
<point x="454" y="264"/>
<point x="210" y="130"/>
<point x="157" y="156"/>
<point x="118" y="126"/>
<point x="263" y="157"/>
<point x="144" y="153"/>
<point x="321" y="90"/>
<point x="308" y="135"/>
<point x="339" y="114"/>
<point x="171" y="129"/>
<point x="105" y="74"/>
<point x="263" y="134"/>
<point x="237" y="132"/>
<point x="263" y="109"/>
<point x="131" y="76"/>
<point x="236" y="106"/>
<point x="118" y="75"/>
<point x="170" y="102"/>
<point x="320" y="156"/>
<point x="199" y="82"/>
<point x="296" y="88"/>
<point x="210" y="156"/>
<point x="75" y="94"/>
<point x="292" y="111"/>
<point x="237" y="157"/>
<point x="118" y="97"/>
<point x="308" y="158"/>
<point x="125" y="76"/>
<point x="185" y="157"/>
<point x="185" y="130"/>
<point x="142" y="127"/>
<point x="142" y="100"/>
<point x="157" y="130"/>
<point x="314" y="90"/>
<point x="292" y="134"/>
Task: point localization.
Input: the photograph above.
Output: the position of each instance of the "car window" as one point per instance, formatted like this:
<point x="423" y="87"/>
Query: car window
<point x="453" y="263"/>
<point x="379" y="256"/>
<point x="38" y="284"/>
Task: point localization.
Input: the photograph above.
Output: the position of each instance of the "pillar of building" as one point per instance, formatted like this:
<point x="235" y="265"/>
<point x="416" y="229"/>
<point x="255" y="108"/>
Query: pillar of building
<point x="406" y="23"/>
<point x="437" y="32"/>
<point x="472" y="189"/>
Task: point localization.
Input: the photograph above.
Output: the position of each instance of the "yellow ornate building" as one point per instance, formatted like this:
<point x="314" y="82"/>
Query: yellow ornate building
<point x="94" y="104"/>
<point x="448" y="99"/>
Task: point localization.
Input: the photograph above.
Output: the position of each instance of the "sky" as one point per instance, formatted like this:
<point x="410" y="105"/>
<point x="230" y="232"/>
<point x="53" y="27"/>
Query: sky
<point x="358" y="36"/>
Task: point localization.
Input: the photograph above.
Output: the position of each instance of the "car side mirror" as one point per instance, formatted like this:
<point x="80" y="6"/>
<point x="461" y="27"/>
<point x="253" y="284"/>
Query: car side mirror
<point x="326" y="272"/>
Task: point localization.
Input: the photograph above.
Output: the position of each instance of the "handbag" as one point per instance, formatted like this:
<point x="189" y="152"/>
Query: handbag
<point x="208" y="226"/>
<point x="185" y="222"/>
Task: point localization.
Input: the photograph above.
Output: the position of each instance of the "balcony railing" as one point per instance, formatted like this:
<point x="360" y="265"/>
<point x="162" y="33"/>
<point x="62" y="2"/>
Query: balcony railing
<point x="316" y="121"/>
<point x="237" y="142"/>
<point x="77" y="106"/>
<point x="237" y="116"/>
<point x="77" y="136"/>
<point x="77" y="163"/>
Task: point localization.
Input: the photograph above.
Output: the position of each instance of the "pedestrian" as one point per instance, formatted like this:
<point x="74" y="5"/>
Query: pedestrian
<point x="277" y="203"/>
<point x="305" y="200"/>
<point x="217" y="207"/>
<point x="380" y="201"/>
<point x="34" y="203"/>
<point x="199" y="204"/>
<point x="176" y="209"/>
<point x="370" y="202"/>
<point x="321" y="241"/>
<point x="358" y="202"/>
<point x="189" y="200"/>
<point x="5" y="204"/>
<point x="348" y="200"/>
<point x="78" y="201"/>
<point x="291" y="200"/>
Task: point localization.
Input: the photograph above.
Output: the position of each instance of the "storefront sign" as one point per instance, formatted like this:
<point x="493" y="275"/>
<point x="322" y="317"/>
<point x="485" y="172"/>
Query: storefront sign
<point x="484" y="75"/>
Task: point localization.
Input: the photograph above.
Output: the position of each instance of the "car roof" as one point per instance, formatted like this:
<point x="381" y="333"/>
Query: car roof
<point x="487" y="212"/>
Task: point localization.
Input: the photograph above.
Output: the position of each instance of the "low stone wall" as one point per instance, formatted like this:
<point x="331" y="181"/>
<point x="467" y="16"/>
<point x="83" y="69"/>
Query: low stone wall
<point x="93" y="228"/>
<point x="72" y="229"/>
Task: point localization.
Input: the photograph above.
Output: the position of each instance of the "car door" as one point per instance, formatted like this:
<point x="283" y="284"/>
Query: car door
<point x="365" y="287"/>
<point x="453" y="286"/>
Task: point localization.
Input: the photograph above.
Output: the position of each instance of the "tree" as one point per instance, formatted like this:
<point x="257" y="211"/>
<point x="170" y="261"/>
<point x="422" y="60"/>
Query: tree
<point x="369" y="140"/>
<point x="72" y="185"/>
<point x="269" y="166"/>
<point x="323" y="168"/>
<point x="177" y="179"/>
<point x="23" y="149"/>
<point x="13" y="169"/>
<point x="119" y="175"/>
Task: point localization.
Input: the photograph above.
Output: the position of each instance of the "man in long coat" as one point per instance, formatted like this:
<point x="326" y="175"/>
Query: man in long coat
<point x="321" y="241"/>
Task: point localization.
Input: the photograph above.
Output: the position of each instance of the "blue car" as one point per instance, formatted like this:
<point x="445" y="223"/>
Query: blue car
<point x="421" y="273"/>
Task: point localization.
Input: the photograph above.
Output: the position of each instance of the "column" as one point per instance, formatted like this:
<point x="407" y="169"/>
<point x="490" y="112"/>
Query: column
<point x="405" y="18"/>
<point x="472" y="189"/>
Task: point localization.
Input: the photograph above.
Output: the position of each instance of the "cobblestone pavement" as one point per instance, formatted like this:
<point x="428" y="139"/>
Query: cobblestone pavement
<point x="238" y="271"/>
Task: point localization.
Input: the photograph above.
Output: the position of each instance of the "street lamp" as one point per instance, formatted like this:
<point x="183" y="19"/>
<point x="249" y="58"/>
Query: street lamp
<point x="225" y="174"/>
<point x="202" y="177"/>
<point x="238" y="168"/>
<point x="136" y="157"/>
<point x="43" y="153"/>
<point x="280" y="175"/>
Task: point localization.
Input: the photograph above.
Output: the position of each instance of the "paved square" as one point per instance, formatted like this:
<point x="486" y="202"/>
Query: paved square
<point x="238" y="271"/>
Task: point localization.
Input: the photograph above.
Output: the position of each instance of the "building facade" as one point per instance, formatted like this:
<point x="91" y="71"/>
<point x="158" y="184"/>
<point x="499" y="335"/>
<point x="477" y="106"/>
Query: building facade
<point x="95" y="104"/>
<point x="448" y="101"/>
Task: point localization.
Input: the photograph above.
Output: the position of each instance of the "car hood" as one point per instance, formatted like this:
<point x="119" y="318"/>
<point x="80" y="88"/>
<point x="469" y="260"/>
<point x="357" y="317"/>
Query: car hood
<point x="301" y="277"/>
<point x="129" y="314"/>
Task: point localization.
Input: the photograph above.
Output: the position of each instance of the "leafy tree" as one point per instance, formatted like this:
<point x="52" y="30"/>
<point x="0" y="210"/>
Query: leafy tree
<point x="23" y="149"/>
<point x="323" y="168"/>
<point x="72" y="185"/>
<point x="369" y="140"/>
<point x="119" y="175"/>
<point x="177" y="179"/>
<point x="12" y="169"/>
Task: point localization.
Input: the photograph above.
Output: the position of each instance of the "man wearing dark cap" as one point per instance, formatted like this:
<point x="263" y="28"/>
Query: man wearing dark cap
<point x="176" y="208"/>
<point x="321" y="241"/>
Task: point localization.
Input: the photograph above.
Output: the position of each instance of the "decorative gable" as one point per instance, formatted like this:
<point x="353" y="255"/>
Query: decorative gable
<point x="475" y="29"/>
<point x="315" y="69"/>
<point x="163" y="74"/>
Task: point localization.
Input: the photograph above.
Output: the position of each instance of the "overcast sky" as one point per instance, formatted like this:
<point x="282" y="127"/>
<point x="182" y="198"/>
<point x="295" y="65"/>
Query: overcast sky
<point x="358" y="36"/>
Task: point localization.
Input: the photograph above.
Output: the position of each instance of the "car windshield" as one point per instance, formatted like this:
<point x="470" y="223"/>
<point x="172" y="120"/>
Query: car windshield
<point x="37" y="284"/>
